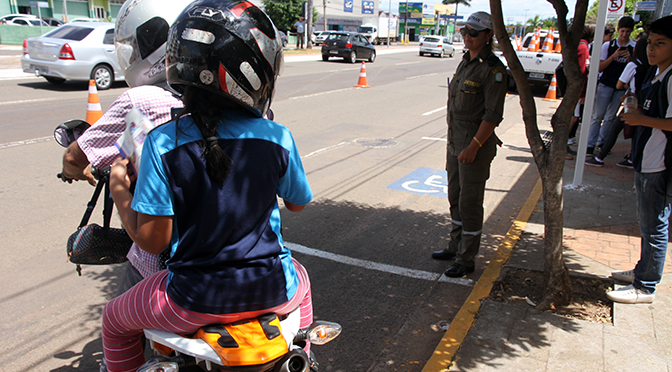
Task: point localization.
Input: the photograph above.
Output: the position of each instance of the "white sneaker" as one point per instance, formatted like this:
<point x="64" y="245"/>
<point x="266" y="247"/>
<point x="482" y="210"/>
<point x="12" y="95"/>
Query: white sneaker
<point x="630" y="295"/>
<point x="624" y="276"/>
<point x="571" y="141"/>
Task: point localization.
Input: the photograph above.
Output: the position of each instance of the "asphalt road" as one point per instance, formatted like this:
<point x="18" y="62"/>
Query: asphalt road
<point x="373" y="157"/>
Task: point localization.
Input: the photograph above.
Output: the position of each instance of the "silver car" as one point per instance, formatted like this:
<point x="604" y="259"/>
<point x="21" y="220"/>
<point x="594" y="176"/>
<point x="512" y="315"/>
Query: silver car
<point x="437" y="45"/>
<point x="321" y="37"/>
<point x="75" y="51"/>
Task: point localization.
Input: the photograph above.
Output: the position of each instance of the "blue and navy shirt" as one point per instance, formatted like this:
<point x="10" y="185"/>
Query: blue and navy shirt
<point x="228" y="254"/>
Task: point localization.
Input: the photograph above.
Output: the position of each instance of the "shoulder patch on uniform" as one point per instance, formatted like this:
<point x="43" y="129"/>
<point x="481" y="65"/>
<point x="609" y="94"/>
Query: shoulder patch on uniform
<point x="499" y="77"/>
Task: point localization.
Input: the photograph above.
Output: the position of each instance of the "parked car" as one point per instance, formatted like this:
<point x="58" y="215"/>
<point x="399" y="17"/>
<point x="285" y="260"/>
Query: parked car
<point x="6" y="18"/>
<point x="283" y="36"/>
<point x="84" y="19"/>
<point x="27" y="21"/>
<point x="321" y="37"/>
<point x="74" y="51"/>
<point x="351" y="46"/>
<point x="51" y="21"/>
<point x="437" y="46"/>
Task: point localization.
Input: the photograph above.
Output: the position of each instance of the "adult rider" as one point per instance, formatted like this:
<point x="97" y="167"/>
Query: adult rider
<point x="140" y="38"/>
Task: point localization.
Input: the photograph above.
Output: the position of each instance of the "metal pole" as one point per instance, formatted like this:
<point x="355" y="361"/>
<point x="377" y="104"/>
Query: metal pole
<point x="65" y="11"/>
<point x="39" y="15"/>
<point x="590" y="93"/>
<point x="406" y="24"/>
<point x="308" y="31"/>
<point x="389" y="22"/>
<point x="324" y="6"/>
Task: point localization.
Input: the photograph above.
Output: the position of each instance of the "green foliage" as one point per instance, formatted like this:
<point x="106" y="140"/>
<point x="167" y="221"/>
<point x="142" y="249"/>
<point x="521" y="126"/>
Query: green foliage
<point x="457" y="2"/>
<point x="284" y="14"/>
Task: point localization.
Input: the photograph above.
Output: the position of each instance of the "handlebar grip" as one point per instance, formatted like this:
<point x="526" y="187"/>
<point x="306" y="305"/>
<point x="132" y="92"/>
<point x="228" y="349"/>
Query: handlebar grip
<point x="64" y="178"/>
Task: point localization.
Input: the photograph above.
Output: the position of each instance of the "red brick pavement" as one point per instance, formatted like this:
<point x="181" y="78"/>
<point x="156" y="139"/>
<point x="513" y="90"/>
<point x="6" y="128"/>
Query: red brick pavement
<point x="615" y="246"/>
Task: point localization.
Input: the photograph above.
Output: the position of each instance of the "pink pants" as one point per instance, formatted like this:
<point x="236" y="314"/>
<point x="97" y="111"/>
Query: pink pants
<point x="147" y="305"/>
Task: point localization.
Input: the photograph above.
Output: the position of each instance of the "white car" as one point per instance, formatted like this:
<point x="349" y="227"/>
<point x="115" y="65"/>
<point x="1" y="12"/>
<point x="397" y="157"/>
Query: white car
<point x="321" y="37"/>
<point x="437" y="45"/>
<point x="6" y="18"/>
<point x="74" y="51"/>
<point x="27" y="21"/>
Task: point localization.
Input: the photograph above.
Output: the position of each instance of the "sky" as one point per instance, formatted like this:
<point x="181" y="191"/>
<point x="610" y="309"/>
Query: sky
<point x="514" y="10"/>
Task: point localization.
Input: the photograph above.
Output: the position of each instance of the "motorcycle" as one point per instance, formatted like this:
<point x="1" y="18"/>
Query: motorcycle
<point x="269" y="343"/>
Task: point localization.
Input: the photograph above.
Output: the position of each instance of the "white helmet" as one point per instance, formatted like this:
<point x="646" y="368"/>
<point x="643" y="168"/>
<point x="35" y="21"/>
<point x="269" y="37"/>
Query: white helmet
<point x="140" y="38"/>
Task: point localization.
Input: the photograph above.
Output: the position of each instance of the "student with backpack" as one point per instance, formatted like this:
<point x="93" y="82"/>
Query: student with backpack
<point x="613" y="59"/>
<point x="652" y="161"/>
<point x="631" y="79"/>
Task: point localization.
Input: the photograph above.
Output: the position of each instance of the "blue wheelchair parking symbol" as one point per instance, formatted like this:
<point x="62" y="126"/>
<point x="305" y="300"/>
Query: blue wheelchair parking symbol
<point x="424" y="181"/>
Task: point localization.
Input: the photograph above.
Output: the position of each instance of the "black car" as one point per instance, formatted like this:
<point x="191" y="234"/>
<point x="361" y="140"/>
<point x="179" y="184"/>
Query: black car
<point x="350" y="46"/>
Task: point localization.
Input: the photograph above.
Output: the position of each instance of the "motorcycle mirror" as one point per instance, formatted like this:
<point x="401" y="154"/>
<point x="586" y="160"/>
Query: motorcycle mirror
<point x="68" y="132"/>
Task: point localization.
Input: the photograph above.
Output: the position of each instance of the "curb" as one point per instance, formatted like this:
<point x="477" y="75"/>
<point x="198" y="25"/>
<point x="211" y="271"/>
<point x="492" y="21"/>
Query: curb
<point x="444" y="353"/>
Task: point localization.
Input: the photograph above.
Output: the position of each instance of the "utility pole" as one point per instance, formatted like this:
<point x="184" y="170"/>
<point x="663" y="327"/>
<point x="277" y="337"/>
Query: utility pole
<point x="309" y="25"/>
<point x="406" y="24"/>
<point x="324" y="13"/>
<point x="65" y="11"/>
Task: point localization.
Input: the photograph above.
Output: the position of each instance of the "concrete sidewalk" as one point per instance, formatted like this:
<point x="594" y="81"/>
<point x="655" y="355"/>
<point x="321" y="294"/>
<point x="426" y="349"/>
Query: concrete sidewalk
<point x="600" y="235"/>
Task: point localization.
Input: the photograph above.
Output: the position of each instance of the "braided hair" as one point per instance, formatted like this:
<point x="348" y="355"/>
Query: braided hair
<point x="206" y="111"/>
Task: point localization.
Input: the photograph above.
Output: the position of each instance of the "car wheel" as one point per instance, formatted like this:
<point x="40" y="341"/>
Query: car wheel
<point x="353" y="57"/>
<point x="54" y="80"/>
<point x="103" y="77"/>
<point x="452" y="53"/>
<point x="440" y="55"/>
<point x="422" y="54"/>
<point x="372" y="57"/>
<point x="325" y="57"/>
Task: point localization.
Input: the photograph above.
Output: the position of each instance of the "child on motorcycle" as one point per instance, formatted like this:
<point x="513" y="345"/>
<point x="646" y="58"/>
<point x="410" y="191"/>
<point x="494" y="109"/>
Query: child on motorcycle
<point x="207" y="187"/>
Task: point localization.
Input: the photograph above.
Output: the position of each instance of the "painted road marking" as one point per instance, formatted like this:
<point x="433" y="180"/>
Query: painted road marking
<point x="464" y="319"/>
<point x="323" y="150"/>
<point x="321" y="93"/>
<point x="391" y="269"/>
<point x="420" y="76"/>
<point x="424" y="181"/>
<point x="25" y="142"/>
<point x="30" y="101"/>
<point x="435" y="111"/>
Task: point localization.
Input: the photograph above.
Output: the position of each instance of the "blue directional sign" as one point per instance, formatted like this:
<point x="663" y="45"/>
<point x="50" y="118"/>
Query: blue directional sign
<point x="424" y="181"/>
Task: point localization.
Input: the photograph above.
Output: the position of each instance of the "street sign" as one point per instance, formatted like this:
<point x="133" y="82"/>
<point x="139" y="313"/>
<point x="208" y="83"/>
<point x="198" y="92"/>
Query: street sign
<point x="39" y="4"/>
<point x="616" y="9"/>
<point x="646" y="5"/>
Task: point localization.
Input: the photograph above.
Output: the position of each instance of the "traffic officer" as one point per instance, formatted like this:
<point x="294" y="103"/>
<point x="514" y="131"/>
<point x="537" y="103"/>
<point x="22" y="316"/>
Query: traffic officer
<point x="475" y="107"/>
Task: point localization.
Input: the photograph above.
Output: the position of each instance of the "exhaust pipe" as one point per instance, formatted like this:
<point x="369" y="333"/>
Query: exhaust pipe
<point x="294" y="361"/>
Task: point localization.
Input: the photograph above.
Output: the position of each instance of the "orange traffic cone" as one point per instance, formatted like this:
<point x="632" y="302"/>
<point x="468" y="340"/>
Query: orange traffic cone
<point x="551" y="94"/>
<point x="362" y="77"/>
<point x="548" y="42"/>
<point x="558" y="47"/>
<point x="93" y="110"/>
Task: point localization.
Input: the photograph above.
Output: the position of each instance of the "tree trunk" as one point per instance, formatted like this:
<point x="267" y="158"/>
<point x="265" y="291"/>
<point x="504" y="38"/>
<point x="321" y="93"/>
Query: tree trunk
<point x="550" y="160"/>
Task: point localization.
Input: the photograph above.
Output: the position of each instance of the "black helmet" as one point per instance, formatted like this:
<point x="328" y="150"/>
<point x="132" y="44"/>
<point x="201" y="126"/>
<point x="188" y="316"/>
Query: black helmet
<point x="228" y="47"/>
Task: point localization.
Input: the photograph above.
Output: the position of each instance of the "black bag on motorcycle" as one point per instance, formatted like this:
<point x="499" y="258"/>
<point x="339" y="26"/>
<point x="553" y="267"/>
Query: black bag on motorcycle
<point x="94" y="244"/>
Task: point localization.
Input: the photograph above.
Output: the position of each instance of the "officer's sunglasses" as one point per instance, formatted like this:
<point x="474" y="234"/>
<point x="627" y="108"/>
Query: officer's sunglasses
<point x="471" y="31"/>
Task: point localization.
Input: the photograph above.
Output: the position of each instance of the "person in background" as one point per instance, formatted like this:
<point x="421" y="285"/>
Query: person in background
<point x="584" y="62"/>
<point x="475" y="107"/>
<point x="652" y="162"/>
<point x="613" y="59"/>
<point x="300" y="27"/>
<point x="631" y="79"/>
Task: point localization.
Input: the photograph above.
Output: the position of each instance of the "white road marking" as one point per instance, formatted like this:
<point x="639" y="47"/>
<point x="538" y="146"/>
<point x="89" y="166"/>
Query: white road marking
<point x="421" y="76"/>
<point x="406" y="63"/>
<point x="435" y="139"/>
<point x="321" y="93"/>
<point x="30" y="101"/>
<point x="435" y="111"/>
<point x="25" y="142"/>
<point x="396" y="270"/>
<point x="317" y="152"/>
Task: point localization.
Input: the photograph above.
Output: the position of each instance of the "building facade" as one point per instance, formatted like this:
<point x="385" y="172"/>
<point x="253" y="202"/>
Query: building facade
<point x="65" y="10"/>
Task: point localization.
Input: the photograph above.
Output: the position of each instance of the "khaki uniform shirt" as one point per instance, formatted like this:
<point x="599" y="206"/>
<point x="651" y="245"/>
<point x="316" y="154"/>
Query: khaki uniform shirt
<point x="476" y="93"/>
